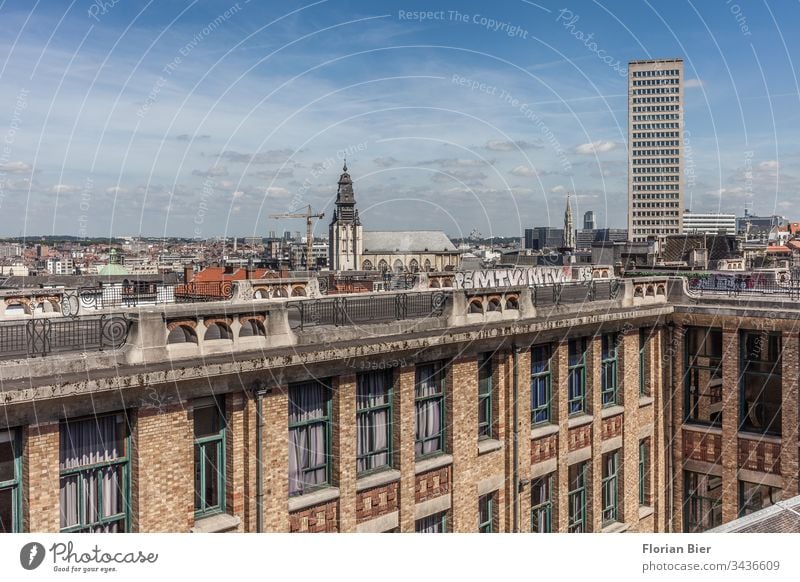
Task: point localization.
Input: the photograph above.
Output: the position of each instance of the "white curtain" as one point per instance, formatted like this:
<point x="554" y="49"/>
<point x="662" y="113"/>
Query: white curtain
<point x="307" y="447"/>
<point x="85" y="443"/>
<point x="372" y="432"/>
<point x="429" y="412"/>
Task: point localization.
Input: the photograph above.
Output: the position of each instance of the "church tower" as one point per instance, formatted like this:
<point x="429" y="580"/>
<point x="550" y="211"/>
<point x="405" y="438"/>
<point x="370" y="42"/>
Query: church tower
<point x="569" y="229"/>
<point x="345" y="233"/>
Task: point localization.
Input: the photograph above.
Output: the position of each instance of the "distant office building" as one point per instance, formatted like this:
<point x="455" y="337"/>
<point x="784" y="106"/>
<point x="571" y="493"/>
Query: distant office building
<point x="543" y="237"/>
<point x="708" y="223"/>
<point x="588" y="220"/>
<point x="758" y="227"/>
<point x="587" y="237"/>
<point x="655" y="152"/>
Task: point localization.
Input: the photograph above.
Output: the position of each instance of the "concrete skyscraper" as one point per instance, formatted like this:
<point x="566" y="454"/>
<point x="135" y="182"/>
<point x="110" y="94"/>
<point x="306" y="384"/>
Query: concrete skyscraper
<point x="655" y="148"/>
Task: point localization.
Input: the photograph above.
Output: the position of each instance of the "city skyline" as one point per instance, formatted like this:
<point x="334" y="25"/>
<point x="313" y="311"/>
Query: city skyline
<point x="200" y="121"/>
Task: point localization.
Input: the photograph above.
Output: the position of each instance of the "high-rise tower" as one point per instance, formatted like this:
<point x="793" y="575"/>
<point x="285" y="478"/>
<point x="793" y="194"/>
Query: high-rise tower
<point x="655" y="148"/>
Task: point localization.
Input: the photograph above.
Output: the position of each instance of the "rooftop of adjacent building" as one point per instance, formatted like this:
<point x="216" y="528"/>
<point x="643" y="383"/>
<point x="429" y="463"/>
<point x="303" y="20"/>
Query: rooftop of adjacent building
<point x="783" y="517"/>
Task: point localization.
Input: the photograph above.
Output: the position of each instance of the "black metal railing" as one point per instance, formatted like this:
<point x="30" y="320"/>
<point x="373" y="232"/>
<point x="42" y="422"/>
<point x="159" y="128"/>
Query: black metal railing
<point x="350" y="310"/>
<point x="562" y="293"/>
<point x="40" y="337"/>
<point x="145" y="293"/>
<point x="734" y="285"/>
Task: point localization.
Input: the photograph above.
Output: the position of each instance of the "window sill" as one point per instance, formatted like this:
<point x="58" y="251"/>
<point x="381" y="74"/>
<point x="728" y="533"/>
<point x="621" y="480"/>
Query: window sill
<point x="377" y="479"/>
<point x="758" y="436"/>
<point x="646" y="400"/>
<point x="645" y="511"/>
<point x="216" y="523"/>
<point x="612" y="411"/>
<point x="580" y="420"/>
<point x="313" y="498"/>
<point x="436" y="462"/>
<point x="706" y="428"/>
<point x="543" y="431"/>
<point x="489" y="445"/>
<point x="616" y="527"/>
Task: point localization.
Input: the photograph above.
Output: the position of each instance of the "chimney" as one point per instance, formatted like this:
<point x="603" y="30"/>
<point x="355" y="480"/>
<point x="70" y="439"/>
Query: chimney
<point x="188" y="273"/>
<point x="229" y="269"/>
<point x="248" y="273"/>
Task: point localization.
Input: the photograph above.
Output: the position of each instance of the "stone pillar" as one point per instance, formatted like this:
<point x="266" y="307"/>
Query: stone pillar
<point x="344" y="449"/>
<point x="163" y="469"/>
<point x="558" y="384"/>
<point x="730" y="422"/>
<point x="789" y="414"/>
<point x="462" y="439"/>
<point x="276" y="460"/>
<point x="403" y="434"/>
<point x="40" y="487"/>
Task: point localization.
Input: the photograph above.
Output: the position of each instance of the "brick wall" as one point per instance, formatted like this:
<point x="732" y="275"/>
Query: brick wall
<point x="432" y="484"/>
<point x="40" y="486"/>
<point x="317" y="519"/>
<point x="372" y="503"/>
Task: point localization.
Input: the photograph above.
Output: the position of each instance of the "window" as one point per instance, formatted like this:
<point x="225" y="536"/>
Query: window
<point x="703" y="380"/>
<point x="209" y="457"/>
<point x="309" y="436"/>
<point x="485" y="424"/>
<point x="644" y="362"/>
<point x="755" y="496"/>
<point x="10" y="482"/>
<point x="644" y="472"/>
<point x="429" y="410"/>
<point x="93" y="467"/>
<point x="486" y="518"/>
<point x="610" y="487"/>
<point x="576" y="372"/>
<point x="760" y="382"/>
<point x="374" y="421"/>
<point x="436" y="523"/>
<point x="577" y="498"/>
<point x="542" y="504"/>
<point x="540" y="384"/>
<point x="608" y="370"/>
<point x="703" y="508"/>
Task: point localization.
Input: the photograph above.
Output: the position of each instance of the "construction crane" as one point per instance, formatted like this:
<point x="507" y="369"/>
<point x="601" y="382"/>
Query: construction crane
<point x="309" y="216"/>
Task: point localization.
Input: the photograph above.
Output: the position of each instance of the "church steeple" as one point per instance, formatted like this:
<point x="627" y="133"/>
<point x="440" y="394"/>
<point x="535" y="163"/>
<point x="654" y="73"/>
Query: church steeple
<point x="346" y="199"/>
<point x="569" y="230"/>
<point x="345" y="241"/>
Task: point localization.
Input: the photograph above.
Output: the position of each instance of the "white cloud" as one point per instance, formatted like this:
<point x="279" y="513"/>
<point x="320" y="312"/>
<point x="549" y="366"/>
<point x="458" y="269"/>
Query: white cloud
<point x="557" y="189"/>
<point x="595" y="147"/>
<point x="497" y="145"/>
<point x="693" y="83"/>
<point x="768" y="165"/>
<point x="385" y="162"/>
<point x="212" y="172"/>
<point x="238" y="194"/>
<point x="15" y="168"/>
<point x="524" y="171"/>
<point x="116" y="190"/>
<point x="65" y="189"/>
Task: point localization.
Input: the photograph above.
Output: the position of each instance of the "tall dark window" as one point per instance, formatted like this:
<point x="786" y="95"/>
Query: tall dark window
<point x="760" y="382"/>
<point x="209" y="457"/>
<point x="576" y="374"/>
<point x="576" y="498"/>
<point x="756" y="496"/>
<point x="608" y="375"/>
<point x="485" y="400"/>
<point x="430" y="379"/>
<point x="542" y="504"/>
<point x="703" y="506"/>
<point x="610" y="487"/>
<point x="486" y="513"/>
<point x="540" y="384"/>
<point x="374" y="420"/>
<point x="309" y="436"/>
<point x="10" y="482"/>
<point x="436" y="523"/>
<point x="94" y="466"/>
<point x="644" y="362"/>
<point x="703" y="380"/>
<point x="644" y="472"/>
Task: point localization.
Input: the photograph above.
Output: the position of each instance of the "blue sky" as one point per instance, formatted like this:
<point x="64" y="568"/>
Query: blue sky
<point x="202" y="118"/>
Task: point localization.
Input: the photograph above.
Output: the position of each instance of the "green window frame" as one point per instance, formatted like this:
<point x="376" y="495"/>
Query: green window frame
<point x="485" y="401"/>
<point x="309" y="421"/>
<point x="436" y="523"/>
<point x="541" y="384"/>
<point x="430" y="412"/>
<point x="542" y="504"/>
<point x="209" y="457"/>
<point x="609" y="395"/>
<point x="486" y="513"/>
<point x="10" y="481"/>
<point x="83" y="495"/>
<point x="576" y="376"/>
<point x="610" y="487"/>
<point x="760" y="382"/>
<point x="644" y="474"/>
<point x="576" y="498"/>
<point x="374" y="421"/>
<point x="644" y="361"/>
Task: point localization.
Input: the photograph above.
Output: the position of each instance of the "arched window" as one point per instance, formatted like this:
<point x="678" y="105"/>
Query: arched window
<point x="298" y="292"/>
<point x="216" y="331"/>
<point x="427" y="265"/>
<point x="383" y="266"/>
<point x="476" y="306"/>
<point x="413" y="266"/>
<point x="181" y="334"/>
<point x="398" y="266"/>
<point x="252" y="327"/>
<point x="367" y="265"/>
